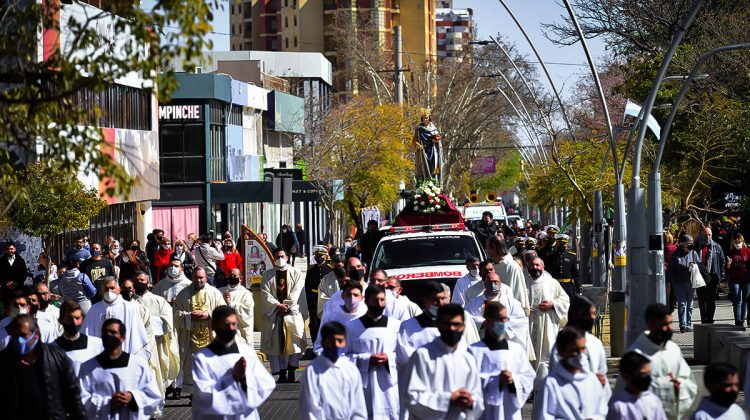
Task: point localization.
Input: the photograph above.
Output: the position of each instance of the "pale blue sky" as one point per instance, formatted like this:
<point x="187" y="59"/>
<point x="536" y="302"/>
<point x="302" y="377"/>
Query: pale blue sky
<point x="491" y="18"/>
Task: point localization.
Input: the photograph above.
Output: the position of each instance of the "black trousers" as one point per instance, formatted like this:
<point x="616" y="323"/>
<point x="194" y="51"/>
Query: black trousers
<point x="569" y="288"/>
<point x="707" y="301"/>
<point x="314" y="322"/>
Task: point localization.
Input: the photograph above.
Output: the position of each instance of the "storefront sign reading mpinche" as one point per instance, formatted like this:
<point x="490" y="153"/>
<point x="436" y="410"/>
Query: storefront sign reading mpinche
<point x="180" y="112"/>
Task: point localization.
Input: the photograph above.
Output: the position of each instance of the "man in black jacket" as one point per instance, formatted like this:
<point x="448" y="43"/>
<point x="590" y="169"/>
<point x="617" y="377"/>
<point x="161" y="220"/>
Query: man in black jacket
<point x="12" y="268"/>
<point x="38" y="381"/>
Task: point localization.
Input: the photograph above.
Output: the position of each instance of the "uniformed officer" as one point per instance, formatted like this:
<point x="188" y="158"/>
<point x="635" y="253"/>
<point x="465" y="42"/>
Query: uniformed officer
<point x="519" y="245"/>
<point x="546" y="251"/>
<point x="315" y="272"/>
<point x="564" y="266"/>
<point x="531" y="244"/>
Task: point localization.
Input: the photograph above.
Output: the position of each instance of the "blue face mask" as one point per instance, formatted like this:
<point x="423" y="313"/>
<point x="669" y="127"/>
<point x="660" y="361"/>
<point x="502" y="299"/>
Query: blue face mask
<point x="333" y="353"/>
<point x="23" y="346"/>
<point x="499" y="329"/>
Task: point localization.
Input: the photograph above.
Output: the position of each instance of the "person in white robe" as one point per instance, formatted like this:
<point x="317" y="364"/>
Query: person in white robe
<point x="282" y="326"/>
<point x="670" y="373"/>
<point x="47" y="312"/>
<point x="582" y="314"/>
<point x="722" y="381"/>
<point x="113" y="305"/>
<point x="331" y="283"/>
<point x="511" y="274"/>
<point x="549" y="310"/>
<point x="352" y="309"/>
<point x="507" y="380"/>
<point x="241" y="300"/>
<point x="477" y="289"/>
<point x="230" y="381"/>
<point x="517" y="326"/>
<point x="171" y="285"/>
<point x="569" y="391"/>
<point x="192" y="310"/>
<point x="442" y="377"/>
<point x="634" y="401"/>
<point x="373" y="350"/>
<point x="79" y="347"/>
<point x="20" y="304"/>
<point x="464" y="283"/>
<point x="402" y="307"/>
<point x="165" y="358"/>
<point x="354" y="270"/>
<point x="331" y="385"/>
<point x="116" y="384"/>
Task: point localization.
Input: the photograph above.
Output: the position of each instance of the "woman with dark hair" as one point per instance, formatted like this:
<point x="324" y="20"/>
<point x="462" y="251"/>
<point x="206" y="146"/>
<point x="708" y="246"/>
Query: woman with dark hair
<point x="133" y="259"/>
<point x="162" y="260"/>
<point x="737" y="273"/>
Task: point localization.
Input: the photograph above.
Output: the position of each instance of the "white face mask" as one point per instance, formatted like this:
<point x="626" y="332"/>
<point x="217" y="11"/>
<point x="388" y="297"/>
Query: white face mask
<point x="178" y="249"/>
<point x="474" y="272"/>
<point x="281" y="264"/>
<point x="14" y="312"/>
<point x="110" y="296"/>
<point x="736" y="245"/>
<point x="351" y="303"/>
<point x="173" y="272"/>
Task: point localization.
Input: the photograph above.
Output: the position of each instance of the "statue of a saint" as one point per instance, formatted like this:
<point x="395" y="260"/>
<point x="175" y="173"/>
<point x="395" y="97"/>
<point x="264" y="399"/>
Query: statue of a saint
<point x="429" y="149"/>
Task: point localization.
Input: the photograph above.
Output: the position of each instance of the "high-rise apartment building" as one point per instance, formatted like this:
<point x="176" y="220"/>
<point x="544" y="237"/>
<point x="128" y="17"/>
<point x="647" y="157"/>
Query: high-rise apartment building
<point x="310" y="26"/>
<point x="455" y="28"/>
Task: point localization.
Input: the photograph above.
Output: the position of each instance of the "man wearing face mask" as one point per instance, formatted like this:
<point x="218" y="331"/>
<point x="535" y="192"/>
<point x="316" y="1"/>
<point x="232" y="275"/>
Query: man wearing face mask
<point x="471" y="278"/>
<point x="722" y="381"/>
<point x="331" y="385"/>
<point x="442" y="378"/>
<point x="356" y="271"/>
<point x="507" y="380"/>
<point x="477" y="289"/>
<point x="315" y="273"/>
<point x="37" y="380"/>
<point x="48" y="327"/>
<point x="46" y="308"/>
<point x="116" y="384"/>
<point x="79" y="347"/>
<point x="509" y="271"/>
<point x="350" y="311"/>
<point x="241" y="300"/>
<point x="97" y="268"/>
<point x="562" y="264"/>
<point x="230" y="381"/>
<point x="165" y="355"/>
<point x="518" y="323"/>
<point x="670" y="373"/>
<point x="282" y="326"/>
<point x="549" y="308"/>
<point x="206" y="255"/>
<point x="570" y="391"/>
<point x="18" y="304"/>
<point x="398" y="305"/>
<point x="173" y="283"/>
<point x="373" y="349"/>
<point x="73" y="284"/>
<point x="192" y="310"/>
<point x="713" y="259"/>
<point x="634" y="400"/>
<point x="115" y="306"/>
<point x="330" y="283"/>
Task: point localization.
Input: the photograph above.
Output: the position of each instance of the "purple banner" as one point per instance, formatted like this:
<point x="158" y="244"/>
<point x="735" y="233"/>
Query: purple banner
<point x="484" y="165"/>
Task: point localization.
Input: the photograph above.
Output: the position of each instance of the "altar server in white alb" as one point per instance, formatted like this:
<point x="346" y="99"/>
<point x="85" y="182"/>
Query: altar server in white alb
<point x="634" y="401"/>
<point x="549" y="309"/>
<point x="173" y="283"/>
<point x="79" y="347"/>
<point x="722" y="381"/>
<point x="241" y="300"/>
<point x="114" y="306"/>
<point x="373" y="349"/>
<point x="282" y="326"/>
<point x="582" y="314"/>
<point x="569" y="391"/>
<point x="507" y="377"/>
<point x="510" y="272"/>
<point x="116" y="384"/>
<point x="464" y="283"/>
<point x="442" y="379"/>
<point x="230" y="381"/>
<point x="670" y="373"/>
<point x="352" y="309"/>
<point x="518" y="323"/>
<point x="331" y="385"/>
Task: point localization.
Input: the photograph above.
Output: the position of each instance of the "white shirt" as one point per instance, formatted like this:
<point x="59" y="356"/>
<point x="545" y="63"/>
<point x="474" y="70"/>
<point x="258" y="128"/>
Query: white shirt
<point x="518" y="324"/>
<point x="462" y="285"/>
<point x="625" y="406"/>
<point x="331" y="391"/>
<point x="79" y="356"/>
<point x="136" y="338"/>
<point x="709" y="410"/>
<point x="573" y="396"/>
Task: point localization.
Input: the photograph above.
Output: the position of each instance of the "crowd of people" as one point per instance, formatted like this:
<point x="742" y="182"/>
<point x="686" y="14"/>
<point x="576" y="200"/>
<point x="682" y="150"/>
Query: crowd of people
<point x="116" y="337"/>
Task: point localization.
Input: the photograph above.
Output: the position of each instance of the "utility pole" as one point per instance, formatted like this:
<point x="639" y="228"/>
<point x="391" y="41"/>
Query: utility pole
<point x="398" y="62"/>
<point x="598" y="270"/>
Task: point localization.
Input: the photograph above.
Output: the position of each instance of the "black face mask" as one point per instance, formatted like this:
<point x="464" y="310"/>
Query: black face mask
<point x="724" y="399"/>
<point x="110" y="342"/>
<point x="641" y="383"/>
<point x="140" y="288"/>
<point x="225" y="336"/>
<point x="535" y="274"/>
<point x="375" y="310"/>
<point x="134" y="247"/>
<point x="585" y="324"/>
<point x="43" y="304"/>
<point x="451" y="337"/>
<point x="127" y="293"/>
<point x="662" y="336"/>
<point x="356" y="275"/>
<point x="71" y="329"/>
<point x="234" y="280"/>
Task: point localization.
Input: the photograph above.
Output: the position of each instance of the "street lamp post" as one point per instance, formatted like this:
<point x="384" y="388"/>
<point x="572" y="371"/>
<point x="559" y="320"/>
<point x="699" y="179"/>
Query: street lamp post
<point x="640" y="294"/>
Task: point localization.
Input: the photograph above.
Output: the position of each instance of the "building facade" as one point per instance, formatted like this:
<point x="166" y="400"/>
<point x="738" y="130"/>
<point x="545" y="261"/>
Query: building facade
<point x="455" y="28"/>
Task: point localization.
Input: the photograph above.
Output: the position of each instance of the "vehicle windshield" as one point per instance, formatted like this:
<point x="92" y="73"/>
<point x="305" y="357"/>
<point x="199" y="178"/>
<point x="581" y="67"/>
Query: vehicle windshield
<point x="425" y="251"/>
<point x="475" y="212"/>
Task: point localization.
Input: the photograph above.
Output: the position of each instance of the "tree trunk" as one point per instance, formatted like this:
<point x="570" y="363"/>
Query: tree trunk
<point x="356" y="216"/>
